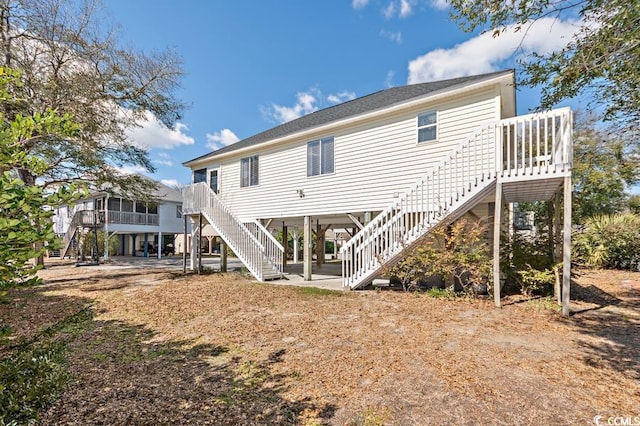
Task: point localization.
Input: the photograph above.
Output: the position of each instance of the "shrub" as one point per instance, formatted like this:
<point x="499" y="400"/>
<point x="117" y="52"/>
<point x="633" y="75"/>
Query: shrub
<point x="459" y="253"/>
<point x="527" y="263"/>
<point x="30" y="381"/>
<point x="609" y="241"/>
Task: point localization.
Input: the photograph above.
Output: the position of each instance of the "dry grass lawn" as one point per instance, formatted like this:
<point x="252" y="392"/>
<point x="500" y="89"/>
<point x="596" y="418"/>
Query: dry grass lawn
<point x="164" y="348"/>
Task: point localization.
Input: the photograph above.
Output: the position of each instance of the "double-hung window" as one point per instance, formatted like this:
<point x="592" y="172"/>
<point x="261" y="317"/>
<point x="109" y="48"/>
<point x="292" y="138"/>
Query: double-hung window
<point x="320" y="157"/>
<point x="428" y="126"/>
<point x="249" y="171"/>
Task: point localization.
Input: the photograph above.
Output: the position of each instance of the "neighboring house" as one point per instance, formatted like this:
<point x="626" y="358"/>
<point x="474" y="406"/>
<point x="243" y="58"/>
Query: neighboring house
<point x="384" y="168"/>
<point x="141" y="228"/>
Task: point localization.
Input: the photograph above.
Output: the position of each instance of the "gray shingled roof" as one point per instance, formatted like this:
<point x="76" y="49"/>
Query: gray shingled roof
<point x="368" y="103"/>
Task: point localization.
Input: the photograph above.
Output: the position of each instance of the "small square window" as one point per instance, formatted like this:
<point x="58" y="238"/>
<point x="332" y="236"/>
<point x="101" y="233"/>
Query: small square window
<point x="428" y="126"/>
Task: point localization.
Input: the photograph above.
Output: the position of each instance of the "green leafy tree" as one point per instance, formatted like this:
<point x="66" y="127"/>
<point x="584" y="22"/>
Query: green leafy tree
<point x="601" y="59"/>
<point x="25" y="209"/>
<point x="72" y="63"/>
<point x="605" y="166"/>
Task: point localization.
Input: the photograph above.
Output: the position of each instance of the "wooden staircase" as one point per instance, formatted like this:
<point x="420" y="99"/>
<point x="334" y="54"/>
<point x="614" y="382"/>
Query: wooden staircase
<point x="532" y="147"/>
<point x="254" y="245"/>
<point x="82" y="219"/>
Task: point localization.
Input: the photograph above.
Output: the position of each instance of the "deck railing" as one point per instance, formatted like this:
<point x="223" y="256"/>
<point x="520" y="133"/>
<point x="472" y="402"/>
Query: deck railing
<point x="255" y="247"/>
<point x="520" y="147"/>
<point x="536" y="144"/>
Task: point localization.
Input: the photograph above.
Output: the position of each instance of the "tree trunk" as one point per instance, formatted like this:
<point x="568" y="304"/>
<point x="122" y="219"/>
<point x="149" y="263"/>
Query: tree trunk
<point x="29" y="179"/>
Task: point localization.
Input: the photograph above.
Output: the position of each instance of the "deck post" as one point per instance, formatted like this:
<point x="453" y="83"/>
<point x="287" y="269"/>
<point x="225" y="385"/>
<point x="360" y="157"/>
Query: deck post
<point x="223" y="256"/>
<point x="557" y="252"/>
<point x="295" y="245"/>
<point x="184" y="246"/>
<point x="159" y="245"/>
<point x="566" y="250"/>
<point x="497" y="222"/>
<point x="285" y="244"/>
<point x="106" y="227"/>
<point x="307" y="249"/>
<point x="193" y="247"/>
<point x="199" y="243"/>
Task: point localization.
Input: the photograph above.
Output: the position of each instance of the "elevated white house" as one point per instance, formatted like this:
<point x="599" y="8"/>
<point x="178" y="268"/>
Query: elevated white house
<point x="142" y="228"/>
<point x="386" y="168"/>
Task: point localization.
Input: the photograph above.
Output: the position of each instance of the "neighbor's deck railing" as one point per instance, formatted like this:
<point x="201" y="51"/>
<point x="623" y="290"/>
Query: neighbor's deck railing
<point x="132" y="218"/>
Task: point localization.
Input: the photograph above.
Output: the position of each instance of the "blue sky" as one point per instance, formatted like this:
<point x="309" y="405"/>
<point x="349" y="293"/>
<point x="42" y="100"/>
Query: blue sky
<point x="251" y="65"/>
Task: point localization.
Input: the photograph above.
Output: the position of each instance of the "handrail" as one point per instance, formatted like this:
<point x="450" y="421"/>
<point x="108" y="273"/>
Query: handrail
<point x="254" y="247"/>
<point x="81" y="218"/>
<point x="513" y="148"/>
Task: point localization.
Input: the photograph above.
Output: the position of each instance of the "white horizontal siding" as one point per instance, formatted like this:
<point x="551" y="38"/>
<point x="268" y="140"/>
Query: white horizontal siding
<point x="373" y="162"/>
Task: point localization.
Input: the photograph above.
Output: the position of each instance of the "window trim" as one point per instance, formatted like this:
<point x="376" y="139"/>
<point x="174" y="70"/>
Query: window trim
<point x="321" y="142"/>
<point x="251" y="178"/>
<point x="435" y="125"/>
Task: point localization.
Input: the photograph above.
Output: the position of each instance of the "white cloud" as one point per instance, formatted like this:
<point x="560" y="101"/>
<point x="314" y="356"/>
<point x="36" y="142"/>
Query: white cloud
<point x="224" y="137"/>
<point x="388" y="81"/>
<point x="485" y="53"/>
<point x="395" y="37"/>
<point x="172" y="183"/>
<point x="306" y="103"/>
<point x="400" y="8"/>
<point x="440" y="4"/>
<point x="153" y="134"/>
<point x="133" y="170"/>
<point x="359" y="4"/>
<point x="168" y="163"/>
<point x="390" y="10"/>
<point x="340" y="97"/>
<point x="406" y="8"/>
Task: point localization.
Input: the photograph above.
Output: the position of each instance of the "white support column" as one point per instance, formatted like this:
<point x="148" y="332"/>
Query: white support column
<point x="566" y="250"/>
<point x="159" y="245"/>
<point x="194" y="246"/>
<point x="497" y="219"/>
<point x="295" y="245"/>
<point x="307" y="247"/>
<point x="367" y="217"/>
<point x="106" y="227"/>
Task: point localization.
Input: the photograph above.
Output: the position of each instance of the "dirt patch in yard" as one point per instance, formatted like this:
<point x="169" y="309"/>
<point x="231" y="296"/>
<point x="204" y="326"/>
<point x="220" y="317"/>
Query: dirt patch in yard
<point x="217" y="349"/>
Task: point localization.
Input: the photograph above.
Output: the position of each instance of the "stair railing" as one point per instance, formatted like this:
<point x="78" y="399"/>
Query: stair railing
<point x="273" y="250"/>
<point x="424" y="204"/>
<point x="516" y="147"/>
<point x="81" y="219"/>
<point x="199" y="198"/>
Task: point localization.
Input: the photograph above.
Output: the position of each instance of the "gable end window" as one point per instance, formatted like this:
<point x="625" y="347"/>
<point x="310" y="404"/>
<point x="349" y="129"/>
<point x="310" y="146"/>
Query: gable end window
<point x="320" y="157"/>
<point x="428" y="126"/>
<point x="249" y="171"/>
